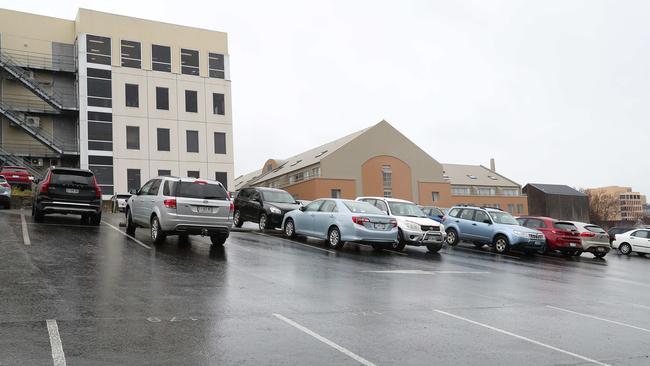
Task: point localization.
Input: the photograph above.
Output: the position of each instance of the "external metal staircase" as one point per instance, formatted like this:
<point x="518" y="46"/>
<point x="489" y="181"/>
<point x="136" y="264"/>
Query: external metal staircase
<point x="7" y="158"/>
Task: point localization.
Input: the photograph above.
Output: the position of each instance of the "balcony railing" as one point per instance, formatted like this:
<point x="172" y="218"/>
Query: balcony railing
<point x="42" y="61"/>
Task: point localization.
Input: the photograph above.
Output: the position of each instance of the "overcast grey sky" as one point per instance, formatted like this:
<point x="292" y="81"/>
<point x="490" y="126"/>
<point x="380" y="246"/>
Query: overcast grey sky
<point x="556" y="91"/>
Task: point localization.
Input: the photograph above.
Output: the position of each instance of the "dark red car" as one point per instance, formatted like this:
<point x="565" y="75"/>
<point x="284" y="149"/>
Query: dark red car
<point x="17" y="176"/>
<point x="560" y="236"/>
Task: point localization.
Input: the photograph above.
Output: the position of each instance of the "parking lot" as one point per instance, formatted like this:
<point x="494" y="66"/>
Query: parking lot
<point x="76" y="294"/>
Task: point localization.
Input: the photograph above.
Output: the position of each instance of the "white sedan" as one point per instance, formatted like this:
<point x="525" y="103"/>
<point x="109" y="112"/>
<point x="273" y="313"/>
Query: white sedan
<point x="637" y="240"/>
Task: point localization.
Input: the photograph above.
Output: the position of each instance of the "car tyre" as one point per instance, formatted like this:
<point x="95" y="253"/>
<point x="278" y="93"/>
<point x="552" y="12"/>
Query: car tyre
<point x="641" y="254"/>
<point x="434" y="248"/>
<point x="218" y="239"/>
<point x="501" y="244"/>
<point x="237" y="221"/>
<point x="377" y="246"/>
<point x="625" y="249"/>
<point x="157" y="234"/>
<point x="452" y="237"/>
<point x="264" y="219"/>
<point x="334" y="238"/>
<point x="130" y="226"/>
<point x="290" y="229"/>
<point x="400" y="244"/>
<point x="38" y="215"/>
<point x="600" y="255"/>
<point x="95" y="219"/>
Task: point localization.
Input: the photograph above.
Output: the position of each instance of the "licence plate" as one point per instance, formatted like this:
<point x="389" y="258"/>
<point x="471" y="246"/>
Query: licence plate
<point x="15" y="176"/>
<point x="600" y="249"/>
<point x="380" y="226"/>
<point x="572" y="245"/>
<point x="202" y="209"/>
<point x="71" y="190"/>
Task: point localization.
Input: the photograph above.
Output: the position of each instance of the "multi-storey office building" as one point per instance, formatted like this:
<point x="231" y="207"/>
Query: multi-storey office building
<point x="127" y="98"/>
<point x="629" y="204"/>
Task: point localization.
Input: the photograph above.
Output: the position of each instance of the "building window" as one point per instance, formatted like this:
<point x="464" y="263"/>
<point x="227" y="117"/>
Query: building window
<point x="511" y="208"/>
<point x="388" y="193"/>
<point x="487" y="191"/>
<point x="100" y="131"/>
<point x="221" y="177"/>
<point x="161" y="58"/>
<point x="98" y="50"/>
<point x="435" y="196"/>
<point x="191" y="101"/>
<point x="192" y="140"/>
<point x="216" y="65"/>
<point x="193" y="173"/>
<point x="102" y="166"/>
<point x="218" y="104"/>
<point x="162" y="98"/>
<point x="510" y="191"/>
<point x="132" y="95"/>
<point x="461" y="191"/>
<point x="99" y="88"/>
<point x="336" y="193"/>
<point x="315" y="172"/>
<point x="219" y="143"/>
<point x="520" y="208"/>
<point x="387" y="176"/>
<point x="163" y="139"/>
<point x="131" y="54"/>
<point x="133" y="137"/>
<point x="189" y="62"/>
<point x="164" y="173"/>
<point x="132" y="179"/>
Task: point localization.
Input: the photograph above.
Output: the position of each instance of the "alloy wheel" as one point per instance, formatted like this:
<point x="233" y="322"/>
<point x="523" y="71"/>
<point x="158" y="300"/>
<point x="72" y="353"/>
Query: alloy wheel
<point x="501" y="245"/>
<point x="288" y="228"/>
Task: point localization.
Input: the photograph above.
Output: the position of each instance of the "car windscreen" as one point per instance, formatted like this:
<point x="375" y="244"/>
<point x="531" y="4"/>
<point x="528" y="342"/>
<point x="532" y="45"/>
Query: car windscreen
<point x="595" y="229"/>
<point x="503" y="218"/>
<point x="566" y="226"/>
<point x="277" y="197"/>
<point x="362" y="207"/>
<point x="71" y="177"/>
<point x="405" y="209"/>
<point x="200" y="190"/>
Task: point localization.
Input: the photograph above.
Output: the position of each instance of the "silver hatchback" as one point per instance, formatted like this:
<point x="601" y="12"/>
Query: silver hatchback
<point x="180" y="206"/>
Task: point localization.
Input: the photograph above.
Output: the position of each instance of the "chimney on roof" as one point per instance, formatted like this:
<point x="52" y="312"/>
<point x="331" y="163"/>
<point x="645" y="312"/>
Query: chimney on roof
<point x="492" y="165"/>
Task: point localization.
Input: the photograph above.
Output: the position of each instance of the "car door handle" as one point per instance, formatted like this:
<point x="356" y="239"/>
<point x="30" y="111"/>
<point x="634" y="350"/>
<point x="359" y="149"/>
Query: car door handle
<point x="457" y="221"/>
<point x="473" y="224"/>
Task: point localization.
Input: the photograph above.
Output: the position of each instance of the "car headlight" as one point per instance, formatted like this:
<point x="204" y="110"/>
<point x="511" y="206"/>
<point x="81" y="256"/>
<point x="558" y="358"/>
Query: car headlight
<point x="411" y="225"/>
<point x="274" y="210"/>
<point x="521" y="234"/>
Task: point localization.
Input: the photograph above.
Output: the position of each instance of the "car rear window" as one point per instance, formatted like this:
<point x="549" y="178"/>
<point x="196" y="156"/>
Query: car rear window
<point x="566" y="226"/>
<point x="595" y="229"/>
<point x="71" y="177"/>
<point x="204" y="191"/>
<point x="362" y="207"/>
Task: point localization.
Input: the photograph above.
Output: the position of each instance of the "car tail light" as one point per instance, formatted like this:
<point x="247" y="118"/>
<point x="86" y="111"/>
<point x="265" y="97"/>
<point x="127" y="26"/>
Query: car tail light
<point x="98" y="190"/>
<point x="46" y="184"/>
<point x="170" y="203"/>
<point x="359" y="220"/>
<point x="393" y="223"/>
<point x="587" y="235"/>
<point x="232" y="207"/>
<point x="200" y="182"/>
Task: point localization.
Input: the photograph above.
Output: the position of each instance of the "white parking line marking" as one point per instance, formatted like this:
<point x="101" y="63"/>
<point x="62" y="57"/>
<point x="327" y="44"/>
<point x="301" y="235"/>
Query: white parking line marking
<point x="418" y="271"/>
<point x="55" y="342"/>
<point x="23" y="223"/>
<point x="522" y="338"/>
<point x="598" y="318"/>
<point x="128" y="236"/>
<point x="343" y="350"/>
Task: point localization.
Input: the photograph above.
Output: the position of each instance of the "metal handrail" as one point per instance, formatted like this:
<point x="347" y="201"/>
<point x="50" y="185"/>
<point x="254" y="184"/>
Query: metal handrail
<point x="43" y="61"/>
<point x="17" y="161"/>
<point x="28" y="103"/>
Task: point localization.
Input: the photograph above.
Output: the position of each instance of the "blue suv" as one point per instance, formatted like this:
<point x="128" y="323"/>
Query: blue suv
<point x="490" y="226"/>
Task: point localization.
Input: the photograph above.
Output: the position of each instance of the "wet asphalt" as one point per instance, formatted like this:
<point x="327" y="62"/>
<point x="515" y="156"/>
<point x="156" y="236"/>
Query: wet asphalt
<point x="82" y="295"/>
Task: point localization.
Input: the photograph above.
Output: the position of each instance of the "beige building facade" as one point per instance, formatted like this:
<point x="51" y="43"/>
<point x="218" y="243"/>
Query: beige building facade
<point x="144" y="98"/>
<point x="630" y="203"/>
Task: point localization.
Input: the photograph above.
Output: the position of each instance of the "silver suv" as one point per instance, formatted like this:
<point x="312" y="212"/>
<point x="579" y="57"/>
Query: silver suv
<point x="180" y="206"/>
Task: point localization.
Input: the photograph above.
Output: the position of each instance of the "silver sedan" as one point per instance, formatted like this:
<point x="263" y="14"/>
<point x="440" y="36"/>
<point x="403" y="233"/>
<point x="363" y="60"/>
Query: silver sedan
<point x="338" y="221"/>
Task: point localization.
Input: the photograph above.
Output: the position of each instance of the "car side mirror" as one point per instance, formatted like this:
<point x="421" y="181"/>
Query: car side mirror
<point x="486" y="221"/>
<point x="302" y="208"/>
<point x="441" y="216"/>
<point x="134" y="192"/>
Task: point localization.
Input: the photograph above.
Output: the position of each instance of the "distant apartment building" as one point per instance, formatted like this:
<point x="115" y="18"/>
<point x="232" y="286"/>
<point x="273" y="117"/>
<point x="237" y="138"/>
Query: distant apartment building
<point x="381" y="161"/>
<point x="127" y="98"/>
<point x="630" y="203"/>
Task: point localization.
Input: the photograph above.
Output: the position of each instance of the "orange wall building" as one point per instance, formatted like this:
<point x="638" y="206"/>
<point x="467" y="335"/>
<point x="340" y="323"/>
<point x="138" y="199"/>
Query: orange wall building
<point x="381" y="161"/>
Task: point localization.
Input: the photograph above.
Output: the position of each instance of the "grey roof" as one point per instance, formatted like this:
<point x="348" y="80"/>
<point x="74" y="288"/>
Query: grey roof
<point x="242" y="179"/>
<point x="559" y="189"/>
<point x="475" y="175"/>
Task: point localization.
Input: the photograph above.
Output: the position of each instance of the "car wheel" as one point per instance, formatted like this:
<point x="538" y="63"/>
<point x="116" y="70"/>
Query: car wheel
<point x="434" y="248"/>
<point x="501" y="244"/>
<point x="625" y="249"/>
<point x="599" y="255"/>
<point x="641" y="254"/>
<point x="400" y="244"/>
<point x="452" y="237"/>
<point x="95" y="219"/>
<point x="334" y="238"/>
<point x="157" y="235"/>
<point x="237" y="221"/>
<point x="290" y="229"/>
<point x="130" y="226"/>
<point x="218" y="239"/>
<point x="38" y="215"/>
<point x="263" y="221"/>
<point x="543" y="250"/>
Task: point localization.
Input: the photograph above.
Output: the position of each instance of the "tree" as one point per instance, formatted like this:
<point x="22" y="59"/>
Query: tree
<point x="603" y="207"/>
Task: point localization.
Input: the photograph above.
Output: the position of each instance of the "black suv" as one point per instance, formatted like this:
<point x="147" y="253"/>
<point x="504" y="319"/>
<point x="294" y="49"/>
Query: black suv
<point x="68" y="191"/>
<point x="265" y="206"/>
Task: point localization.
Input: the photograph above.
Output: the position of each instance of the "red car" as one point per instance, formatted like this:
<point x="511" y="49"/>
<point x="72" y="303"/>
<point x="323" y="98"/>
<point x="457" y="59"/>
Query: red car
<point x="17" y="176"/>
<point x="560" y="236"/>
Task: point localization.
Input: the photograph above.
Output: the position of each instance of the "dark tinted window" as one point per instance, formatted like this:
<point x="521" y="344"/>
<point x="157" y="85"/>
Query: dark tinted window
<point x="98" y="73"/>
<point x="99" y="88"/>
<point x="218" y="104"/>
<point x="189" y="62"/>
<point x="169" y="188"/>
<point x="216" y="65"/>
<point x="133" y="137"/>
<point x="71" y="177"/>
<point x="566" y="226"/>
<point x="132" y="179"/>
<point x="193" y="173"/>
<point x="132" y="95"/>
<point x="98" y="49"/>
<point x="219" y="143"/>
<point x="164" y="172"/>
<point x="103" y="174"/>
<point x="202" y="190"/>
<point x="131" y="54"/>
<point x="221" y="177"/>
<point x="155" y="187"/>
<point x="100" y="160"/>
<point x="100" y="116"/>
<point x="100" y="145"/>
<point x="162" y="98"/>
<point x="161" y="58"/>
<point x="192" y="139"/>
<point x="190" y="101"/>
<point x="100" y="131"/>
<point x="163" y="139"/>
